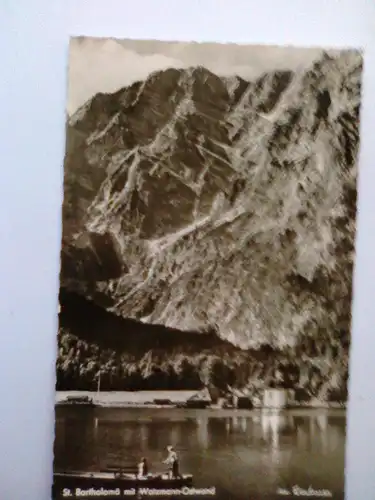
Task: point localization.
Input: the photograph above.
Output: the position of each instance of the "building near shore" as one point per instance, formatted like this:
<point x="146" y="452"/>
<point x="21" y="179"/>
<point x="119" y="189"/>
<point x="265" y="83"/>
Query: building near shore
<point x="200" y="399"/>
<point x="241" y="399"/>
<point x="277" y="398"/>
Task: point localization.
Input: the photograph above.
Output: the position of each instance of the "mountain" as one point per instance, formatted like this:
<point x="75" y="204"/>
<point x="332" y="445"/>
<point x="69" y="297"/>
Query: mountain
<point x="202" y="203"/>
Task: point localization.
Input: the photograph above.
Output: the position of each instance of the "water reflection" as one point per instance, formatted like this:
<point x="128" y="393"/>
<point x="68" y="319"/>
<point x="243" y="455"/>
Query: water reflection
<point x="322" y="425"/>
<point x="237" y="424"/>
<point x="276" y="423"/>
<point x="202" y="432"/>
<point x="143" y="436"/>
<point x="262" y="448"/>
<point x="96" y="428"/>
<point x="322" y="421"/>
<point x="244" y="424"/>
<point x="205" y="431"/>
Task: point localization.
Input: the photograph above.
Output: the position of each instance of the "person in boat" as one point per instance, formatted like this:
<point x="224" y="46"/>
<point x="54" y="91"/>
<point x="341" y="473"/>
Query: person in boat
<point x="173" y="462"/>
<point x="143" y="468"/>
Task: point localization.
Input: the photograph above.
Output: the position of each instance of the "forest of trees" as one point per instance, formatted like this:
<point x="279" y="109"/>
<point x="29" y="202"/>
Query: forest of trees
<point x="322" y="376"/>
<point x="125" y="354"/>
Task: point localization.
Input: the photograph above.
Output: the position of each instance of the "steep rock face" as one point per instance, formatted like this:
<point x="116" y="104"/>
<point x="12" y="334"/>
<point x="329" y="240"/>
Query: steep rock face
<point x="223" y="204"/>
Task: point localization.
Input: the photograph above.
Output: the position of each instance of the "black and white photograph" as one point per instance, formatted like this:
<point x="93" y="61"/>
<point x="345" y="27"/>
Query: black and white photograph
<point x="208" y="245"/>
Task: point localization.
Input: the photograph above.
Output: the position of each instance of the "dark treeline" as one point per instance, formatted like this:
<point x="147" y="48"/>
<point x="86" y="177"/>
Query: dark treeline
<point x="93" y="344"/>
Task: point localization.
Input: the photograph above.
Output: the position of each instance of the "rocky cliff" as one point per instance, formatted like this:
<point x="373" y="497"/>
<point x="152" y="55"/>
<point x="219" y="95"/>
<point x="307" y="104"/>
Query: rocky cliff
<point x="203" y="203"/>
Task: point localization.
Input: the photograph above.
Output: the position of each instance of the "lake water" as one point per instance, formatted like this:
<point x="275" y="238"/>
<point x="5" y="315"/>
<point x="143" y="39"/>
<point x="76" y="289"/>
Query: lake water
<point x="246" y="455"/>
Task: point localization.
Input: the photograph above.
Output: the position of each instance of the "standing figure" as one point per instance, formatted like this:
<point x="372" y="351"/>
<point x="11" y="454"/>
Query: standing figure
<point x="173" y="462"/>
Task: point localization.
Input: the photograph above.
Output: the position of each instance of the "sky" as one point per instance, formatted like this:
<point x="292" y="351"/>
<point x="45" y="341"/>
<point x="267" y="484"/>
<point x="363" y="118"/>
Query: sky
<point x="105" y="64"/>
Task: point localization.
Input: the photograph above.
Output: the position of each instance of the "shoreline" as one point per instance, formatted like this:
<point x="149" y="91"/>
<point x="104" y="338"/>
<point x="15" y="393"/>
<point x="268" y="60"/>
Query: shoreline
<point x="122" y="400"/>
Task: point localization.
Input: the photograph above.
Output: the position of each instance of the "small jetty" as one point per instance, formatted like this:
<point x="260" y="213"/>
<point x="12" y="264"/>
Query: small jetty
<point x="82" y="401"/>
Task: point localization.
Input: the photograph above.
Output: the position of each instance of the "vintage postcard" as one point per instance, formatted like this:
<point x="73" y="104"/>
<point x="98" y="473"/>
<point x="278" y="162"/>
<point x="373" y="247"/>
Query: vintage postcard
<point x="208" y="243"/>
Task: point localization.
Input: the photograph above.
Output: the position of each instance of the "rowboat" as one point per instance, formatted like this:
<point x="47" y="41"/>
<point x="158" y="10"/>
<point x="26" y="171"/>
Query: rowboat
<point x="113" y="479"/>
